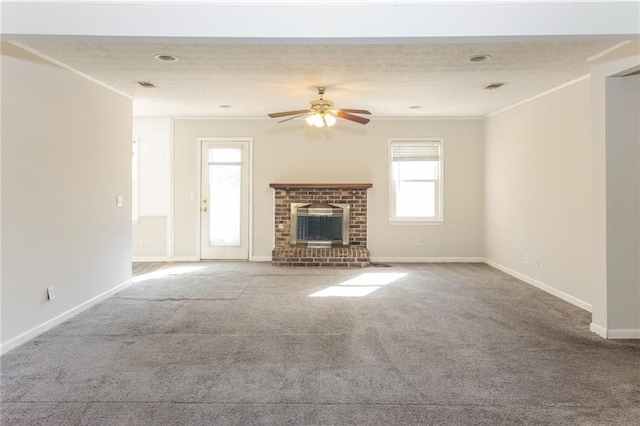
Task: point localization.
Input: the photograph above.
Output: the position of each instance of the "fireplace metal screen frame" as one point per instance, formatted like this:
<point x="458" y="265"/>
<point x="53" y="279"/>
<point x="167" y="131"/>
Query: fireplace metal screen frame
<point x="346" y="218"/>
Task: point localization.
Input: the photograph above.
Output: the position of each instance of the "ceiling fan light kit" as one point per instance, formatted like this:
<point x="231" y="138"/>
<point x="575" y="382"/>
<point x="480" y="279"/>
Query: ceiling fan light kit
<point x="322" y="113"/>
<point x="321" y="119"/>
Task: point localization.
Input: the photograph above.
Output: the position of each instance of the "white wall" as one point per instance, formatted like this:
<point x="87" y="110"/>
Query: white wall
<point x="149" y="239"/>
<point x="294" y="152"/>
<point x="538" y="192"/>
<point x="66" y="145"/>
<point x="154" y="136"/>
<point x="619" y="63"/>
<point x="623" y="209"/>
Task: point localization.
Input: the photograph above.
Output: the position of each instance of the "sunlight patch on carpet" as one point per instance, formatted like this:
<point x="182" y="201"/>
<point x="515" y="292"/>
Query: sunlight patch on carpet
<point x="378" y="279"/>
<point x="360" y="286"/>
<point x="163" y="273"/>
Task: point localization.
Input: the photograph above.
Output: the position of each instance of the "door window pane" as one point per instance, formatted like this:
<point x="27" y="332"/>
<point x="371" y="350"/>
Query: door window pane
<point x="225" y="155"/>
<point x="225" y="198"/>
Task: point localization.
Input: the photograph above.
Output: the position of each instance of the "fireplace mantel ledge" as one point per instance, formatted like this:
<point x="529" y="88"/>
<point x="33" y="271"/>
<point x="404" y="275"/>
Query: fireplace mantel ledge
<point x="288" y="186"/>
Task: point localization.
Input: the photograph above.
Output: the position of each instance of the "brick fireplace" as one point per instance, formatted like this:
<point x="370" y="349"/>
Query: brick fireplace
<point x="353" y="195"/>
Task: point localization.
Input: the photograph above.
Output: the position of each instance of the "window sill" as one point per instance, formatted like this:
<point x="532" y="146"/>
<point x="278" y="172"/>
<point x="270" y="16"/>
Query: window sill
<point x="415" y="222"/>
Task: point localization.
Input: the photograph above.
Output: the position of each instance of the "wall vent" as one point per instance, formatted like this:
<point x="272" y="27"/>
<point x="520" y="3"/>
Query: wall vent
<point x="147" y="84"/>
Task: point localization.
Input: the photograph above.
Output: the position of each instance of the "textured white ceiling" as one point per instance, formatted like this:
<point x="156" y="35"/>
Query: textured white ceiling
<point x="387" y="79"/>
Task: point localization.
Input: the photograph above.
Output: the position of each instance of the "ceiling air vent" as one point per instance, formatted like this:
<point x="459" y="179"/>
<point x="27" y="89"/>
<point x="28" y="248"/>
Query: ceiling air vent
<point x="146" y="84"/>
<point x="479" y="58"/>
<point x="166" y="58"/>
<point x="492" y="86"/>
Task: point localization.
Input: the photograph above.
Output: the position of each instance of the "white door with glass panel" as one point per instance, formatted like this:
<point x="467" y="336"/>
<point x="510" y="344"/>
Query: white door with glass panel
<point x="224" y="204"/>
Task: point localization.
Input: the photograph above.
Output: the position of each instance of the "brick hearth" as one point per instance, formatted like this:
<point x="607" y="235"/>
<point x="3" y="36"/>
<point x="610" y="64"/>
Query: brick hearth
<point x="355" y="195"/>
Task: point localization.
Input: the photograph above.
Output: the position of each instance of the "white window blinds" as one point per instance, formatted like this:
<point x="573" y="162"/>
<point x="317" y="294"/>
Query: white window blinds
<point x="425" y="151"/>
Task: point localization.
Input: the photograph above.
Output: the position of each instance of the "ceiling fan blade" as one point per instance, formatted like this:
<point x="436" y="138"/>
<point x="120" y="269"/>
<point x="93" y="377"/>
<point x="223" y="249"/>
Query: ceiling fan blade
<point x="291" y="118"/>
<point x="357" y="111"/>
<point x="285" y="113"/>
<point x="351" y="117"/>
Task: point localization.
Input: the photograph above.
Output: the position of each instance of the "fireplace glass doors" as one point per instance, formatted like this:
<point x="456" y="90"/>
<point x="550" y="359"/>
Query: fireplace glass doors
<point x="319" y="225"/>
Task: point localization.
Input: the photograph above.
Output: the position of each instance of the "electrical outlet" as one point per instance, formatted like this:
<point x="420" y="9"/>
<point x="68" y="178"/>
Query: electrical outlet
<point x="526" y="258"/>
<point x="418" y="242"/>
<point x="537" y="262"/>
<point x="50" y="294"/>
<point x="143" y="242"/>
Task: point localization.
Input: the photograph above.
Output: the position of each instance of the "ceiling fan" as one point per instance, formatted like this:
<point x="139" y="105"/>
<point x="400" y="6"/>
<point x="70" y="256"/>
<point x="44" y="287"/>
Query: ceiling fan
<point x="321" y="112"/>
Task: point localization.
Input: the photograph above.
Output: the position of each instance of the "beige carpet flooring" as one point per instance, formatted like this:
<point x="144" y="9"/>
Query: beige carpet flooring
<point x="236" y="343"/>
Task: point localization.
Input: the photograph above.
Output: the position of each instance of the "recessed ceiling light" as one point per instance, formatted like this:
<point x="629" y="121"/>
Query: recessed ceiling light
<point x="224" y="106"/>
<point x="147" y="84"/>
<point x="166" y="58"/>
<point x="492" y="86"/>
<point x="479" y="58"/>
<point x="415" y="106"/>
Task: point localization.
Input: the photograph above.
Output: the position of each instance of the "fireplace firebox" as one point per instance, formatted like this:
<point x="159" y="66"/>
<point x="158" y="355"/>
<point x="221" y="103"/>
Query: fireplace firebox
<point x="319" y="225"/>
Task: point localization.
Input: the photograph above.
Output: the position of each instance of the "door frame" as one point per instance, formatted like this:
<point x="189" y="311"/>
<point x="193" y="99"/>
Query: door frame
<point x="198" y="203"/>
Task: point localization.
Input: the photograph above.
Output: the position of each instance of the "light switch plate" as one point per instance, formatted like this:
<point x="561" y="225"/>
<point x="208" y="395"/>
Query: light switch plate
<point x="119" y="201"/>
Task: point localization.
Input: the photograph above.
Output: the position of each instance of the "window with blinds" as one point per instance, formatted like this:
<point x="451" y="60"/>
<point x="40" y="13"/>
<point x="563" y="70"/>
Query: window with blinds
<point x="416" y="180"/>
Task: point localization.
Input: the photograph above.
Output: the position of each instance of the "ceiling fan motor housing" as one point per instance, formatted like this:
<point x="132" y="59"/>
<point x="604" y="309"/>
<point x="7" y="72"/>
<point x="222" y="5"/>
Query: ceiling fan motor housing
<point x="321" y="105"/>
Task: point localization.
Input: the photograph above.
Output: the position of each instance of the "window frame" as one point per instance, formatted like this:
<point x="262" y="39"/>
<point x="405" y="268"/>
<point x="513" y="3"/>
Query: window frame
<point x="438" y="219"/>
<point x="135" y="181"/>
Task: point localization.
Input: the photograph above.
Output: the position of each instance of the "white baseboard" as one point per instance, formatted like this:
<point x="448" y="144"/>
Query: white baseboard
<point x="623" y="334"/>
<point x="188" y="259"/>
<point x="600" y="331"/>
<point x="629" y="333"/>
<point x="260" y="259"/>
<point x="542" y="286"/>
<point x="428" y="259"/>
<point x="34" y="332"/>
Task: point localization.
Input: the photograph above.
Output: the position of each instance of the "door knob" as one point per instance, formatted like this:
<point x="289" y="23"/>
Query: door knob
<point x="204" y="209"/>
